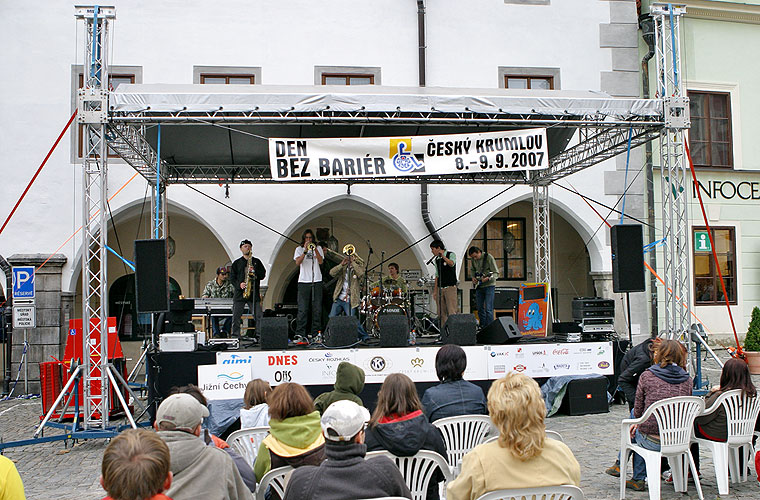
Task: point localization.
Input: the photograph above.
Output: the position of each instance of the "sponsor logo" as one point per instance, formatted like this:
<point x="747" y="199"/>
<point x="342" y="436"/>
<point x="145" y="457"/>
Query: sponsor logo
<point x="230" y="376"/>
<point x="236" y="359"/>
<point x="520" y="368"/>
<point x="328" y="355"/>
<point x="562" y="366"/>
<point x="582" y="350"/>
<point x="282" y="376"/>
<point x="500" y="368"/>
<point x="603" y="364"/>
<point x="283" y="360"/>
<point x="601" y="351"/>
<point x="541" y="352"/>
<point x="377" y="363"/>
<point x="418" y="362"/>
<point x="584" y="366"/>
<point x="561" y="352"/>
<point x="493" y="354"/>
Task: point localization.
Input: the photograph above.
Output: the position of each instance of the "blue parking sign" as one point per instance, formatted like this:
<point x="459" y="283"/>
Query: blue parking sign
<point x="23" y="282"/>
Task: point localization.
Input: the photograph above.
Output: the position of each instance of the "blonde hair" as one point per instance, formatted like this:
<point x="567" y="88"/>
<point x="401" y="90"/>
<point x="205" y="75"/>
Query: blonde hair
<point x="256" y="393"/>
<point x="135" y="465"/>
<point x="518" y="410"/>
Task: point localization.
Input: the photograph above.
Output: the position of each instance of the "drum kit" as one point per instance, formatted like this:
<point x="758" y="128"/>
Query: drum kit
<point x="387" y="298"/>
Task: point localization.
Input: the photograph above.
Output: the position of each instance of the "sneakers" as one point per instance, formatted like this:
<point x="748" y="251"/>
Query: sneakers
<point x="614" y="470"/>
<point x="669" y="479"/>
<point x="633" y="484"/>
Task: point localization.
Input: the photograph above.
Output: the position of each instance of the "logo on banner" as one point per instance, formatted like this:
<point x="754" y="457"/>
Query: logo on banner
<point x="562" y="366"/>
<point x="377" y="364"/>
<point x="561" y="352"/>
<point x="230" y="376"/>
<point x="603" y="364"/>
<point x="499" y="368"/>
<point x="541" y="352"/>
<point x="402" y="157"/>
<point x="418" y="362"/>
<point x="601" y="351"/>
<point x="236" y="359"/>
<point x="520" y="368"/>
<point x="283" y="360"/>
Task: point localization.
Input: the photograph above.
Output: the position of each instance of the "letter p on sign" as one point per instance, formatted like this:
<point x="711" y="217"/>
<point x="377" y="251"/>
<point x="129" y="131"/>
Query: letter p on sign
<point x="23" y="282"/>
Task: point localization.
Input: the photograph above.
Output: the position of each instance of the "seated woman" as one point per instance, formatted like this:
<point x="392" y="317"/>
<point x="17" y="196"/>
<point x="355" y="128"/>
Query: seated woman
<point x="666" y="378"/>
<point x="453" y="396"/>
<point x="522" y="457"/>
<point x="255" y="411"/>
<point x="399" y="426"/>
<point x="295" y="434"/>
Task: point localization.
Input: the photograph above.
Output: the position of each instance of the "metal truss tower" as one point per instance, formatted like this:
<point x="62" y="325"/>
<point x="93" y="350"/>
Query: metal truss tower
<point x="92" y="111"/>
<point x="674" y="181"/>
<point x="541" y="232"/>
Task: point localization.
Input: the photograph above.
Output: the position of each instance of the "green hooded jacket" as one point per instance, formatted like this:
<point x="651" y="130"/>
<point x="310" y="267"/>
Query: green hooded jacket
<point x="349" y="382"/>
<point x="295" y="439"/>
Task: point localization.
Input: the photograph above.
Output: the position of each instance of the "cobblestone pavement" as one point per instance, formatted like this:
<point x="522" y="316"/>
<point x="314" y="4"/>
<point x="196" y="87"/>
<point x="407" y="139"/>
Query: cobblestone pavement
<point x="50" y="471"/>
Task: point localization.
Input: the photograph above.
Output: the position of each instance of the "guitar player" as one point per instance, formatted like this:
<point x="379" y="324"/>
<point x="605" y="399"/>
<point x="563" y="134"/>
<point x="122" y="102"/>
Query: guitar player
<point x="484" y="274"/>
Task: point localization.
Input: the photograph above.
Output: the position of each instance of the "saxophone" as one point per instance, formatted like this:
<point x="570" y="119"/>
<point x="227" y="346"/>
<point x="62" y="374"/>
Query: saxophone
<point x="249" y="283"/>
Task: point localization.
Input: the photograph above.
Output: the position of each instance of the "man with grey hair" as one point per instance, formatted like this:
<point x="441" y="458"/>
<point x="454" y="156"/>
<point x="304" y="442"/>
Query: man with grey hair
<point x="199" y="471"/>
<point x="346" y="475"/>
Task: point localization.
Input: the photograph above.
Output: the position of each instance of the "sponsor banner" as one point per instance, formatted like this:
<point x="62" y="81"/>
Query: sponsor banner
<point x="223" y="381"/>
<point x="373" y="157"/>
<point x="306" y="367"/>
<point x="477" y="367"/>
<point x="551" y="360"/>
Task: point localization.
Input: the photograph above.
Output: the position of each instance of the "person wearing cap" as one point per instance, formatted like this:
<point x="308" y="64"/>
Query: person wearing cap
<point x="198" y="471"/>
<point x="220" y="288"/>
<point x="239" y="271"/>
<point x="346" y="475"/>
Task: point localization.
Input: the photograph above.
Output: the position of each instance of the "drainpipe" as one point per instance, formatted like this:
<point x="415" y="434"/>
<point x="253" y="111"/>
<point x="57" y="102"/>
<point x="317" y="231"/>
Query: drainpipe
<point x="646" y="24"/>
<point x="8" y="313"/>
<point x="421" y="65"/>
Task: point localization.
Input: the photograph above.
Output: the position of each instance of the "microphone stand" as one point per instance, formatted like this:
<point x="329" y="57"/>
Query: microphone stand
<point x="366" y="281"/>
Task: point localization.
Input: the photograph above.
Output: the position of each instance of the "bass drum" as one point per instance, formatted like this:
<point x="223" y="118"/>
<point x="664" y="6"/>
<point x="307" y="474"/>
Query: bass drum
<point x="388" y="309"/>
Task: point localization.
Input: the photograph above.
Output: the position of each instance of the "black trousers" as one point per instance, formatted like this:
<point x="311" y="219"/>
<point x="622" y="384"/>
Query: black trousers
<point x="253" y="308"/>
<point x="309" y="304"/>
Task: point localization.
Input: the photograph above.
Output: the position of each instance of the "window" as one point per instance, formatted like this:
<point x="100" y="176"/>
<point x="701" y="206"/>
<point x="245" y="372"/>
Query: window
<point x="504" y="239"/>
<point x="707" y="288"/>
<point x="710" y="135"/>
<point x="528" y="82"/>
<point x="241" y="79"/>
<point x="114" y="80"/>
<point x="343" y="79"/>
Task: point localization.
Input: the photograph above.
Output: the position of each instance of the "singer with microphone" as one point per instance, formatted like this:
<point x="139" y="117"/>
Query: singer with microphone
<point x="445" y="290"/>
<point x="309" y="257"/>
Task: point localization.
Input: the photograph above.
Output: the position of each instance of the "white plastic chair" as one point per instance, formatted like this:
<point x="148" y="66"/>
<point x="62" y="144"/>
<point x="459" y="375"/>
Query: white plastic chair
<point x="675" y="419"/>
<point x="463" y="433"/>
<point x="247" y="442"/>
<point x="277" y="479"/>
<point x="418" y="469"/>
<point x="563" y="492"/>
<point x="741" y="414"/>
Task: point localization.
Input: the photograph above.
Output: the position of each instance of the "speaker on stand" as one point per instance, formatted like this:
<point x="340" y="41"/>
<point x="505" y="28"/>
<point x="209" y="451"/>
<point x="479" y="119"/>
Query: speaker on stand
<point x="627" y="244"/>
<point x="151" y="279"/>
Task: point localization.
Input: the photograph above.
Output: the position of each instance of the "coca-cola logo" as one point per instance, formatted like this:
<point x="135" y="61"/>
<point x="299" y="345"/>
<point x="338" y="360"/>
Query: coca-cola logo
<point x="561" y="352"/>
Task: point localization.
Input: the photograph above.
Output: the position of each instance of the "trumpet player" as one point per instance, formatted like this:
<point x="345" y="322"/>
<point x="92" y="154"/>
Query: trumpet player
<point x="309" y="257"/>
<point x="245" y="275"/>
<point x="348" y="290"/>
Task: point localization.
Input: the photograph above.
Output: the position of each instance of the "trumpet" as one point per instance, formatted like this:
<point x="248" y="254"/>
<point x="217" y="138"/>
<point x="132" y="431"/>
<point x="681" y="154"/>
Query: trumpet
<point x="310" y="247"/>
<point x="350" y="251"/>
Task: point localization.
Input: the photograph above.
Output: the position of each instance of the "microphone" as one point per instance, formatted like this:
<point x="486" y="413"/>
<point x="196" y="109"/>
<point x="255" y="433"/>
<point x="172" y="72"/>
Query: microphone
<point x="370" y="247"/>
<point x="431" y="260"/>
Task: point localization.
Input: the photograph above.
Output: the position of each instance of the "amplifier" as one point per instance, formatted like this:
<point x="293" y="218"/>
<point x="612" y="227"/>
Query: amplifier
<point x="177" y="342"/>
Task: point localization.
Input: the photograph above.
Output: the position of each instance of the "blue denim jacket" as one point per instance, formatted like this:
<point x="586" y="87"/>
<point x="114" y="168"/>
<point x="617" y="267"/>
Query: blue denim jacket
<point x="449" y="399"/>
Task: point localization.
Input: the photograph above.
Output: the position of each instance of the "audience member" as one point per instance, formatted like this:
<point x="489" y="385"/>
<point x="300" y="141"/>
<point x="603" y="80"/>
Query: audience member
<point x="343" y="424"/>
<point x="453" y="396"/>
<point x="399" y="426"/>
<point x="255" y="411"/>
<point x="199" y="471"/>
<point x="135" y="467"/>
<point x="11" y="487"/>
<point x="241" y="463"/>
<point x="522" y="457"/>
<point x="349" y="382"/>
<point x="295" y="435"/>
<point x="666" y="378"/>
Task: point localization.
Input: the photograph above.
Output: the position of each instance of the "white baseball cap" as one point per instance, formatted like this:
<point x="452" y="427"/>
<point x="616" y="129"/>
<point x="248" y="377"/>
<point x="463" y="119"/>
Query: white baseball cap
<point x="343" y="420"/>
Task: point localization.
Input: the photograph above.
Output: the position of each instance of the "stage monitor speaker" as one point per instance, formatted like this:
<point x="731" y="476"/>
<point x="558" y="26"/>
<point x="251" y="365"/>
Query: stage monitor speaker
<point x="342" y="331"/>
<point x="501" y="331"/>
<point x="151" y="276"/>
<point x="273" y="333"/>
<point x="394" y="330"/>
<point x="586" y="395"/>
<point x="460" y="329"/>
<point x="627" y="258"/>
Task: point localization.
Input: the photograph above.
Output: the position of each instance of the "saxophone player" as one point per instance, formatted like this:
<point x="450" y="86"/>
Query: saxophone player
<point x="245" y="275"/>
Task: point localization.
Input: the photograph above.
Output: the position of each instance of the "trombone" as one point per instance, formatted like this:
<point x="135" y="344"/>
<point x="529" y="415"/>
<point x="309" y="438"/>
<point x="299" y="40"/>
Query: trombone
<point x="350" y="251"/>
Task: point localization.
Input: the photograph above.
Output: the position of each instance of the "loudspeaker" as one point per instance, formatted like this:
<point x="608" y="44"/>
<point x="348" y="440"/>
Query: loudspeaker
<point x="394" y="330"/>
<point x="273" y="333"/>
<point x="341" y="331"/>
<point x="586" y="395"/>
<point x="627" y="258"/>
<point x="502" y="331"/>
<point x="460" y="329"/>
<point x="151" y="276"/>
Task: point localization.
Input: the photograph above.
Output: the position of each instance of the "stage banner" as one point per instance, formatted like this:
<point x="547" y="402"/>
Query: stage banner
<point x="551" y="360"/>
<point x="224" y="381"/>
<point x="374" y="157"/>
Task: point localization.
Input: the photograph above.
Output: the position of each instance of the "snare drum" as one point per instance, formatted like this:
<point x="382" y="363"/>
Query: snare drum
<point x="388" y="309"/>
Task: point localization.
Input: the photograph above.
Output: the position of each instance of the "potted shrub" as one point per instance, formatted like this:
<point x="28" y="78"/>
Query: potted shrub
<point x="752" y="342"/>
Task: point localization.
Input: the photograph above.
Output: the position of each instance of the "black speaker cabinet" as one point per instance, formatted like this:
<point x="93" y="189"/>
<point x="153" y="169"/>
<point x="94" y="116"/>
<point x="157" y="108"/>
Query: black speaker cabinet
<point x="151" y="276"/>
<point x="627" y="258"/>
<point x="342" y="331"/>
<point x="394" y="330"/>
<point x="586" y="395"/>
<point x="273" y="333"/>
<point x="460" y="329"/>
<point x="502" y="331"/>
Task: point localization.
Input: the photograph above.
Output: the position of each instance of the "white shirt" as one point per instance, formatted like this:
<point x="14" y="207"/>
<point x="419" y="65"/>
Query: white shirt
<point x="306" y="266"/>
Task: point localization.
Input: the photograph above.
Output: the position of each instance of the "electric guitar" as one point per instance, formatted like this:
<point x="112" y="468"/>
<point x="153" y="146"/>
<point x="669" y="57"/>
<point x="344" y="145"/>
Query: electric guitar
<point x="478" y="277"/>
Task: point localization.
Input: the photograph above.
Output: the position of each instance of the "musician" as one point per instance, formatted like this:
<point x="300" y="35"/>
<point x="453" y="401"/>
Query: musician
<point x="484" y="273"/>
<point x="445" y="281"/>
<point x="349" y="287"/>
<point x="220" y="288"/>
<point x="244" y="267"/>
<point x="394" y="280"/>
<point x="309" y="257"/>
